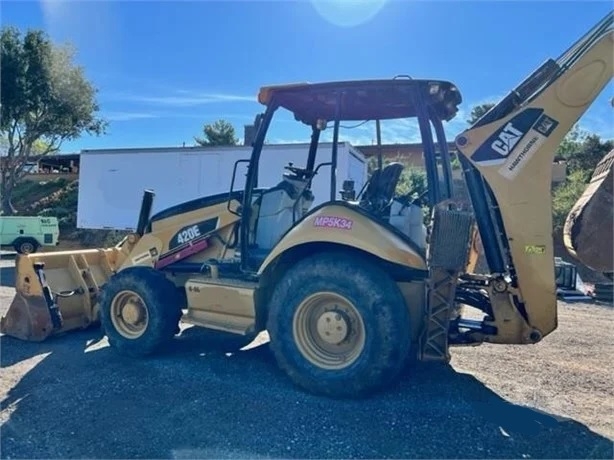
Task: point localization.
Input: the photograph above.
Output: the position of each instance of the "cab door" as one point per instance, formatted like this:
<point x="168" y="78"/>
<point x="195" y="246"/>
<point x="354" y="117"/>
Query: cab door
<point x="12" y="227"/>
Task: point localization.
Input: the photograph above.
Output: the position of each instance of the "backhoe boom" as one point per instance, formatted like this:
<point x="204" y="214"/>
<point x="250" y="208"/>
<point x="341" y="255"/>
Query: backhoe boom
<point x="507" y="157"/>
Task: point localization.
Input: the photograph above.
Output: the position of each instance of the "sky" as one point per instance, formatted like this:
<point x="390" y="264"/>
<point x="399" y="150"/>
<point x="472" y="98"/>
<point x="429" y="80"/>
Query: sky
<point x="164" y="69"/>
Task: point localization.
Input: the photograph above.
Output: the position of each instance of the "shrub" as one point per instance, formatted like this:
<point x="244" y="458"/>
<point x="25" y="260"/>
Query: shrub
<point x="565" y="196"/>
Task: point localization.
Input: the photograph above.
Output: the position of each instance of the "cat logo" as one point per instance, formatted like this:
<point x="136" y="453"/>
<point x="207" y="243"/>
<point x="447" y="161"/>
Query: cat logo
<point x="507" y="140"/>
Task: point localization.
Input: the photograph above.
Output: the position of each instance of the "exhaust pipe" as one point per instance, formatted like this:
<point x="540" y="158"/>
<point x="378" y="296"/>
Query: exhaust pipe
<point x="145" y="213"/>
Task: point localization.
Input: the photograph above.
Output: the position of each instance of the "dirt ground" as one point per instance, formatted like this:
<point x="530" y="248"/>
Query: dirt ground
<point x="72" y="396"/>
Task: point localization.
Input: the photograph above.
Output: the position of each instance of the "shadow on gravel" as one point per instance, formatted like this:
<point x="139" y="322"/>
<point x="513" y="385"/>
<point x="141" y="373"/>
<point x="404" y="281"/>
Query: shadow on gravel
<point x="199" y="400"/>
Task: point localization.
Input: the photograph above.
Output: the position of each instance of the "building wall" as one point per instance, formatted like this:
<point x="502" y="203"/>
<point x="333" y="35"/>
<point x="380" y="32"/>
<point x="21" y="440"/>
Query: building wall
<point x="64" y="163"/>
<point x="411" y="155"/>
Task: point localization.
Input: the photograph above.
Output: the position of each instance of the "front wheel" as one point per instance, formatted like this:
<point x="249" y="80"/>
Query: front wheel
<point x="338" y="326"/>
<point x="139" y="311"/>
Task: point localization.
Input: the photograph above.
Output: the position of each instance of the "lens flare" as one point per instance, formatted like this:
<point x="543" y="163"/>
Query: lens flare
<point x="348" y="13"/>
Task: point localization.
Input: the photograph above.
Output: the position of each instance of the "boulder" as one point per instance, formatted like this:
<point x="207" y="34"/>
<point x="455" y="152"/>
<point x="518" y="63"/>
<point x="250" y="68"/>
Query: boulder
<point x="589" y="229"/>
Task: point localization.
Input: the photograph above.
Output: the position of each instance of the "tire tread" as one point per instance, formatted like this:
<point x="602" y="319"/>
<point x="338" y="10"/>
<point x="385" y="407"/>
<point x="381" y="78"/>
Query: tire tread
<point x="374" y="293"/>
<point x="162" y="301"/>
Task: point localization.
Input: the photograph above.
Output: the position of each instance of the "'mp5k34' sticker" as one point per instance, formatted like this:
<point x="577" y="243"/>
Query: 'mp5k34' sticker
<point x="192" y="232"/>
<point x="333" y="222"/>
<point x="516" y="142"/>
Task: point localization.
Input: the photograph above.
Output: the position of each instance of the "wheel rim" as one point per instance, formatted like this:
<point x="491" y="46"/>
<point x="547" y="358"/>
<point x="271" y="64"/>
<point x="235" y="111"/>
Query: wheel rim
<point x="27" y="248"/>
<point x="328" y="330"/>
<point x="129" y="314"/>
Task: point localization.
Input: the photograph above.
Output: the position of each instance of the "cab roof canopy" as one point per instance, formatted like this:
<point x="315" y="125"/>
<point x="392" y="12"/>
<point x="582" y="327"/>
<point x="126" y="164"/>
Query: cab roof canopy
<point x="363" y="99"/>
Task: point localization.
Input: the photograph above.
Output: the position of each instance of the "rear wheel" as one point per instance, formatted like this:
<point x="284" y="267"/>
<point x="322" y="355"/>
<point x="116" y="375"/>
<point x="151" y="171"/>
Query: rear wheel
<point x="139" y="311"/>
<point x="338" y="326"/>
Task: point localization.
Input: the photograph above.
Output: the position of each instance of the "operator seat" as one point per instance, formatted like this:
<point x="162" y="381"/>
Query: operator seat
<point x="382" y="185"/>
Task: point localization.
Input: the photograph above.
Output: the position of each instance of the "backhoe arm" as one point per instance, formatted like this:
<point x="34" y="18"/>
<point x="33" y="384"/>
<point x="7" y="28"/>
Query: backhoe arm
<point x="507" y="158"/>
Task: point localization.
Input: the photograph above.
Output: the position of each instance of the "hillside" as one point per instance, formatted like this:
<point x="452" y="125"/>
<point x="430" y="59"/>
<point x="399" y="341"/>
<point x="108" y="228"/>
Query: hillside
<point x="59" y="198"/>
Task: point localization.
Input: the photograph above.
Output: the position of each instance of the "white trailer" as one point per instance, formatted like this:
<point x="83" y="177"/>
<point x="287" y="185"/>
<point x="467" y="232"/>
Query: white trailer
<point x="111" y="181"/>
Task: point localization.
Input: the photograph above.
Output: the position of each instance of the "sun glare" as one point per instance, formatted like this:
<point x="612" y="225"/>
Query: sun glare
<point x="348" y="13"/>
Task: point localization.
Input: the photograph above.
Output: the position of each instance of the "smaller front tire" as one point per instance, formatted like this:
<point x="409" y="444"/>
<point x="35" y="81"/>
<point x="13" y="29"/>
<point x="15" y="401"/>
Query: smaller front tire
<point x="139" y="311"/>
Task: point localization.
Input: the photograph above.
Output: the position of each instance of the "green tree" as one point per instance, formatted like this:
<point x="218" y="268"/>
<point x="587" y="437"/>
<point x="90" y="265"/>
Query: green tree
<point x="582" y="151"/>
<point x="412" y="182"/>
<point x="584" y="154"/>
<point x="478" y="111"/>
<point x="219" y="133"/>
<point x="565" y="196"/>
<point x="45" y="100"/>
<point x="570" y="144"/>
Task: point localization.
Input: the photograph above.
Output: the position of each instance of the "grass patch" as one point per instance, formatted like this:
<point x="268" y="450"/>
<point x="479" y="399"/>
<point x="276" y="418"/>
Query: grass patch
<point x="28" y="192"/>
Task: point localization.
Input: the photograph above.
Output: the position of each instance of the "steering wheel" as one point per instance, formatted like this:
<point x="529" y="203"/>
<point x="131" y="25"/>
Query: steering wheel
<point x="418" y="201"/>
<point x="299" y="173"/>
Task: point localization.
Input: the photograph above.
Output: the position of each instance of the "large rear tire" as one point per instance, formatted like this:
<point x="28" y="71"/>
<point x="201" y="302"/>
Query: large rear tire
<point x="338" y="326"/>
<point x="139" y="311"/>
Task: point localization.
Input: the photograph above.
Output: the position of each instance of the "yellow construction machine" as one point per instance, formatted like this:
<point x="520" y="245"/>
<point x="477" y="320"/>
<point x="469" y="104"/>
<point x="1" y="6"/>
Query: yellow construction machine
<point x="352" y="289"/>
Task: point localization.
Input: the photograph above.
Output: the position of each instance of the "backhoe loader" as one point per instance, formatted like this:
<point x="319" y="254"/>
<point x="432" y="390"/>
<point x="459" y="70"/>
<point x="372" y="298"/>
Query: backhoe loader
<point x="350" y="290"/>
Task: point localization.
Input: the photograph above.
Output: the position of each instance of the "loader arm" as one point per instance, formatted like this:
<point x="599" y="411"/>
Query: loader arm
<point x="507" y="158"/>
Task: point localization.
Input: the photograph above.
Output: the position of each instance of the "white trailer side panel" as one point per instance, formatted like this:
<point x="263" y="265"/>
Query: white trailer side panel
<point x="111" y="182"/>
<point x="273" y="160"/>
<point x="357" y="168"/>
<point x="111" y="186"/>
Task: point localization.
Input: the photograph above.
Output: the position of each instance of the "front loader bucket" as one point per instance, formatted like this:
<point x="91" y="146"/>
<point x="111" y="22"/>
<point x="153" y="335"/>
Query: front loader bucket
<point x="589" y="228"/>
<point x="74" y="279"/>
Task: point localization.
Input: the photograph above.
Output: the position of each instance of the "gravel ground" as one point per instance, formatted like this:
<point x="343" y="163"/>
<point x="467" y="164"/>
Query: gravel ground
<point x="72" y="396"/>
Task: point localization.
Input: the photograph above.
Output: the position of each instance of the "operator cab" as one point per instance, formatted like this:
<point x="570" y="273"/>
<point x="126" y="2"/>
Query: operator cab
<point x="266" y="216"/>
<point x="276" y="210"/>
